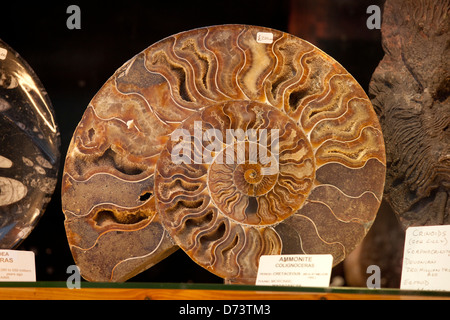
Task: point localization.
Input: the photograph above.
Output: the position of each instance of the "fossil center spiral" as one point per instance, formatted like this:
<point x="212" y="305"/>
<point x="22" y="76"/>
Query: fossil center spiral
<point x="253" y="178"/>
<point x="257" y="164"/>
<point x="264" y="175"/>
<point x="251" y="173"/>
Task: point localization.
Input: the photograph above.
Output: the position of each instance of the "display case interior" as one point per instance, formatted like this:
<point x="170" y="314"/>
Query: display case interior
<point x="75" y="63"/>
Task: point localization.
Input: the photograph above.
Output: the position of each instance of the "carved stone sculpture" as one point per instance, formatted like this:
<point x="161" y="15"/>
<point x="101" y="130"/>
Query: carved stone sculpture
<point x="29" y="148"/>
<point x="410" y="92"/>
<point x="230" y="142"/>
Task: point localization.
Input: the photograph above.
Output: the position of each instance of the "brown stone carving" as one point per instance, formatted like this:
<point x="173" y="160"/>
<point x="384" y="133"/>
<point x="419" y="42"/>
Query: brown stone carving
<point x="231" y="141"/>
<point x="410" y="92"/>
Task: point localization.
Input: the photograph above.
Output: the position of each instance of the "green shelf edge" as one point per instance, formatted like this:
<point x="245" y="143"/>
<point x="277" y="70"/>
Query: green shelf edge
<point x="224" y="287"/>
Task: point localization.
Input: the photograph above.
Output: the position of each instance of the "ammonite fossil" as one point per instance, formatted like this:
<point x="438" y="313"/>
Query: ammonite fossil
<point x="230" y="142"/>
<point x="29" y="148"/>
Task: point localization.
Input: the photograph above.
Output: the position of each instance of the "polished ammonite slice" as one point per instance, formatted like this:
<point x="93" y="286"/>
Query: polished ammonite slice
<point x="230" y="142"/>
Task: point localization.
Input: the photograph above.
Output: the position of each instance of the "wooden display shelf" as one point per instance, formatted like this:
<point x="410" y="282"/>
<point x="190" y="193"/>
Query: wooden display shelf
<point x="151" y="291"/>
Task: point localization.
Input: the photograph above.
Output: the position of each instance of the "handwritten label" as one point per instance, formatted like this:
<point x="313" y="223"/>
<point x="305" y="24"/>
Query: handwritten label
<point x="17" y="266"/>
<point x="295" y="270"/>
<point x="264" y="37"/>
<point x="3" y="53"/>
<point x="426" y="259"/>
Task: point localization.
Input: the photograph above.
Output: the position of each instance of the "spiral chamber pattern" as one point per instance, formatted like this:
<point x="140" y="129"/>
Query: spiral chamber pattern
<point x="230" y="142"/>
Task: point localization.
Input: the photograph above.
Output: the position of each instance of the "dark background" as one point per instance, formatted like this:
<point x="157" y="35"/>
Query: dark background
<point x="74" y="64"/>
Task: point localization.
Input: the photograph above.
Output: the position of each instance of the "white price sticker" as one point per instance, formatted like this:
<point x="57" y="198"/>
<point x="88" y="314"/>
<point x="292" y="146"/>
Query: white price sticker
<point x="3" y="53"/>
<point x="264" y="37"/>
<point x="17" y="266"/>
<point x="295" y="270"/>
<point x="426" y="259"/>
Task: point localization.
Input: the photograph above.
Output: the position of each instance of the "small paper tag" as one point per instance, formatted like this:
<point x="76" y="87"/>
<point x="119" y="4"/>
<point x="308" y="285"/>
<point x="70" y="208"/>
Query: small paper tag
<point x="17" y="266"/>
<point x="426" y="259"/>
<point x="264" y="37"/>
<point x="3" y="53"/>
<point x="295" y="270"/>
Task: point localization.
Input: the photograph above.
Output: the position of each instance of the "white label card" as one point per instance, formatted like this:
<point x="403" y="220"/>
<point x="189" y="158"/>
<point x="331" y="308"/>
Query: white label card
<point x="3" y="53"/>
<point x="17" y="266"/>
<point x="426" y="259"/>
<point x="295" y="270"/>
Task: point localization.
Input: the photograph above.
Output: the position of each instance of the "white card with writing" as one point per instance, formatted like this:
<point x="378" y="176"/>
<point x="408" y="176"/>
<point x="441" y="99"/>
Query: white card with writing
<point x="312" y="270"/>
<point x="426" y="259"/>
<point x="17" y="266"/>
